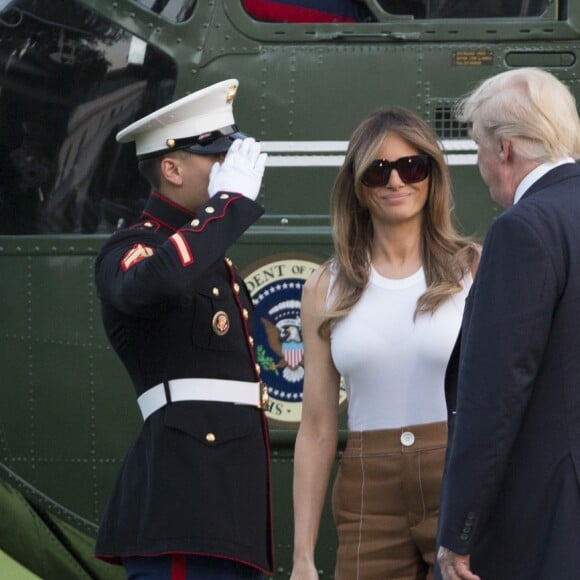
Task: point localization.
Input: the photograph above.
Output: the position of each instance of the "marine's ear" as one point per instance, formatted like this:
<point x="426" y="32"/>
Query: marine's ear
<point x="171" y="170"/>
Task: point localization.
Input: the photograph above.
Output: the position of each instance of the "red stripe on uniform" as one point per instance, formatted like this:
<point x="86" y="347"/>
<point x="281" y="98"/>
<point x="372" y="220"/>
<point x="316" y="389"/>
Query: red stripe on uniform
<point x="182" y="248"/>
<point x="178" y="567"/>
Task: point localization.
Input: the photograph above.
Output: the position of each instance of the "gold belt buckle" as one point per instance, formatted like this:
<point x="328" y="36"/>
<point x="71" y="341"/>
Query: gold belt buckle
<point x="263" y="395"/>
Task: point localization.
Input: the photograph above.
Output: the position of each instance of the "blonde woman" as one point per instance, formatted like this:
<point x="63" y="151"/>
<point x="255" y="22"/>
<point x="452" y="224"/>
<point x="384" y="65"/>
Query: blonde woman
<point x="383" y="313"/>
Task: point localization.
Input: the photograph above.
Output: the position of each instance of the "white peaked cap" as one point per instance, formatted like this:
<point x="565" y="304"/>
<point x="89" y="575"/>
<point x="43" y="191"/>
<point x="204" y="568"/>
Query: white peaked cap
<point x="196" y="115"/>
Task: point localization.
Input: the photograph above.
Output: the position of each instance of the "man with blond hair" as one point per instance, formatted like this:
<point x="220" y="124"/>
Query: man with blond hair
<point x="510" y="505"/>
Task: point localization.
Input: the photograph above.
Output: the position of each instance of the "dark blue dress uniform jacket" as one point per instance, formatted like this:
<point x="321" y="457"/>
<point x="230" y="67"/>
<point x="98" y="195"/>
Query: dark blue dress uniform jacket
<point x="160" y="283"/>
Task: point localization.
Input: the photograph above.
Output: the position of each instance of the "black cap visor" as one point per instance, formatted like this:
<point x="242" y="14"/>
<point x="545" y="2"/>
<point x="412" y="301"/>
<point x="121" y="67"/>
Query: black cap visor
<point x="212" y="143"/>
<point x="219" y="145"/>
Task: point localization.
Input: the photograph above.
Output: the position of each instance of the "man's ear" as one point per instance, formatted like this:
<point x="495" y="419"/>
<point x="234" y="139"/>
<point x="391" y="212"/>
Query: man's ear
<point x="504" y="149"/>
<point x="171" y="170"/>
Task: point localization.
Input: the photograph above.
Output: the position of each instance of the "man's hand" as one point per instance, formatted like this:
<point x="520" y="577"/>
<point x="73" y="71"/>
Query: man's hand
<point x="454" y="566"/>
<point x="241" y="170"/>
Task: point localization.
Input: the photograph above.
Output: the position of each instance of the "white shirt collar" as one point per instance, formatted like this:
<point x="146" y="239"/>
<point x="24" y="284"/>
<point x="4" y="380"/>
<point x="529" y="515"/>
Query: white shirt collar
<point x="536" y="174"/>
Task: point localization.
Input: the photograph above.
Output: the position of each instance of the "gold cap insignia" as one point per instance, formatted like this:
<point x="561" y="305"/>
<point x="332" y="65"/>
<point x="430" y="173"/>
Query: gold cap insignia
<point x="170" y="143"/>
<point x="231" y="94"/>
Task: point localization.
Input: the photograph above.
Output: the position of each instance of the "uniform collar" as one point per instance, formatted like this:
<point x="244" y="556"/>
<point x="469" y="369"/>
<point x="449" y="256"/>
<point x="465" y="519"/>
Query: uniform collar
<point x="167" y="212"/>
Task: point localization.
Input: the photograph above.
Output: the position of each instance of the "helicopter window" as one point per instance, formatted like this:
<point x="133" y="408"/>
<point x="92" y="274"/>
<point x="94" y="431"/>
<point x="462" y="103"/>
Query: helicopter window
<point x="70" y="81"/>
<point x="302" y="11"/>
<point x="489" y="8"/>
<point x="465" y="8"/>
<point x="418" y="8"/>
<point x="174" y="10"/>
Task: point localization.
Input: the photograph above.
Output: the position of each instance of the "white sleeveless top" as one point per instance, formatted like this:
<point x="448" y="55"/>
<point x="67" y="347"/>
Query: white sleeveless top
<point x="394" y="368"/>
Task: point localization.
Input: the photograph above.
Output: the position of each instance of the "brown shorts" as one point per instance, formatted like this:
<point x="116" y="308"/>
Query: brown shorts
<point x="385" y="503"/>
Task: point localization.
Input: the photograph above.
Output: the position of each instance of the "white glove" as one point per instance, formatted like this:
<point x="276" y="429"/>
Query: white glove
<point x="241" y="170"/>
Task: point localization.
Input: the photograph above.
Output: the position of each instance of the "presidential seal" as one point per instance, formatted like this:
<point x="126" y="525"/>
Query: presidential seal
<point x="220" y="323"/>
<point x="275" y="285"/>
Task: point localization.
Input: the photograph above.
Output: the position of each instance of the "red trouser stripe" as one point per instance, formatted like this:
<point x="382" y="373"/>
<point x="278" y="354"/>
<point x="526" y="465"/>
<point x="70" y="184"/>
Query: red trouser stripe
<point x="178" y="567"/>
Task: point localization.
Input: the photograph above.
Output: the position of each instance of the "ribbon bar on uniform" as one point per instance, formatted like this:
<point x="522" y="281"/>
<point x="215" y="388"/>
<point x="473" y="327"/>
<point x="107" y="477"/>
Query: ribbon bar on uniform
<point x="217" y="390"/>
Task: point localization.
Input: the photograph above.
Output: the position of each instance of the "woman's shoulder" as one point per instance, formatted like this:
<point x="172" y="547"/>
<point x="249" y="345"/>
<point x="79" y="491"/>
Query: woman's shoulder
<point x="315" y="293"/>
<point x="320" y="279"/>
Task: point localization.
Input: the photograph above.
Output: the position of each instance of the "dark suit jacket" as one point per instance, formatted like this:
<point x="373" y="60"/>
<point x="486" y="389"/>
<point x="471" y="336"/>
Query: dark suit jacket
<point x="511" y="491"/>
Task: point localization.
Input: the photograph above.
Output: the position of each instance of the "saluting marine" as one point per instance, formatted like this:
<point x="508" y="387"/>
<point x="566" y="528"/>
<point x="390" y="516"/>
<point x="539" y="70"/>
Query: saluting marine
<point x="192" y="498"/>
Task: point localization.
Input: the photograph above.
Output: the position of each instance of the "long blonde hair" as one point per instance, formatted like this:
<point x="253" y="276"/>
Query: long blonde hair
<point x="446" y="255"/>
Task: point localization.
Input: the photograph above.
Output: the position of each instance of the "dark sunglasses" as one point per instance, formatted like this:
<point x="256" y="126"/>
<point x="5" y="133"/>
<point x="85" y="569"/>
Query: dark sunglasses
<point x="410" y="169"/>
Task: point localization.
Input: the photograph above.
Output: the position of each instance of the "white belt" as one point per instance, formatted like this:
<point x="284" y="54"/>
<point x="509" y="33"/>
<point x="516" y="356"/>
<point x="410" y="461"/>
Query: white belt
<point x="220" y="390"/>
